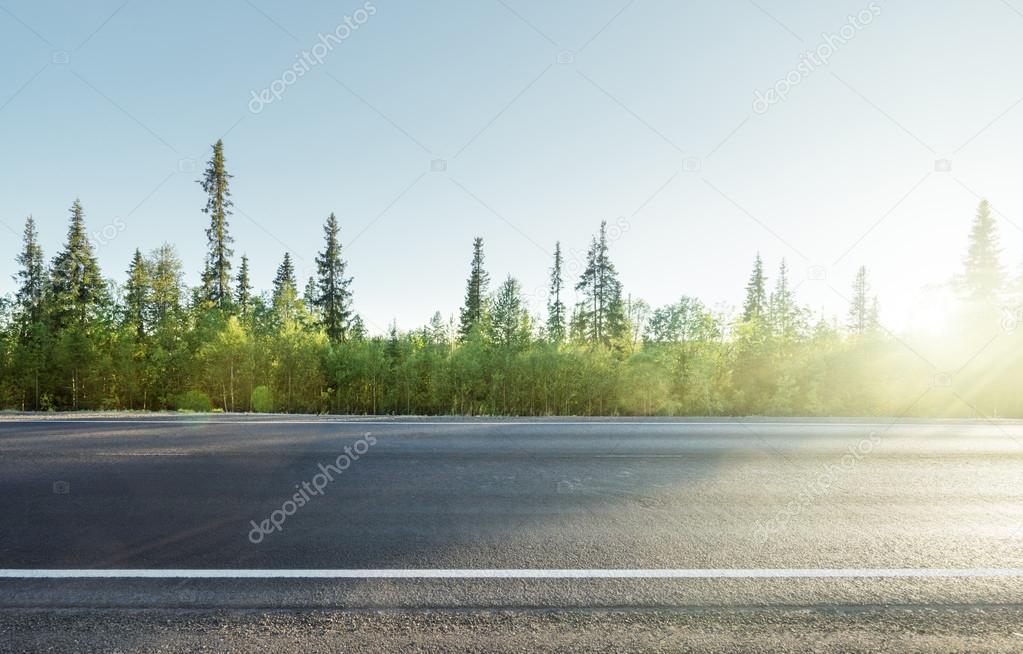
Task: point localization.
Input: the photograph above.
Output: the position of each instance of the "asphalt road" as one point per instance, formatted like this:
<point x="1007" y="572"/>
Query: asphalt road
<point x="761" y="518"/>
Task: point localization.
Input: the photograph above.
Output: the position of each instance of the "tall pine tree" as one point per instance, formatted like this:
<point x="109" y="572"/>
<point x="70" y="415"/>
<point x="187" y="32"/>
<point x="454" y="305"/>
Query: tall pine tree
<point x="309" y="297"/>
<point x="243" y="287"/>
<point x="510" y="319"/>
<point x="862" y="310"/>
<point x="600" y="316"/>
<point x="474" y="310"/>
<point x="983" y="275"/>
<point x="786" y="316"/>
<point x="30" y="338"/>
<point x="166" y="279"/>
<point x="136" y="296"/>
<point x="334" y="298"/>
<point x="756" y="293"/>
<point x="78" y="290"/>
<point x="216" y="278"/>
<point x="79" y="303"/>
<point x="286" y="302"/>
<point x="555" y="305"/>
<point x="284" y="282"/>
<point x="31" y="277"/>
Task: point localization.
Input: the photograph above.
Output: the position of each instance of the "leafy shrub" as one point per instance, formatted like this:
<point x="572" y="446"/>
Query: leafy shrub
<point x="261" y="400"/>
<point x="193" y="401"/>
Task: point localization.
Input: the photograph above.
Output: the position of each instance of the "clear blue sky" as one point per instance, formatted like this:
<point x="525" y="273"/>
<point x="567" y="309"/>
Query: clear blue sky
<point x="648" y="120"/>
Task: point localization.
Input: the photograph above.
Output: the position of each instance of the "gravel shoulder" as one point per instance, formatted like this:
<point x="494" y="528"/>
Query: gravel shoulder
<point x="987" y="629"/>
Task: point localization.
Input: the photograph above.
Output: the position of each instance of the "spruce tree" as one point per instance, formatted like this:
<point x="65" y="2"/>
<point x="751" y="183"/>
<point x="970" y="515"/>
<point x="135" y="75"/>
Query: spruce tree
<point x="874" y="315"/>
<point x="555" y="306"/>
<point x="438" y="329"/>
<point x="136" y="296"/>
<point x="357" y="331"/>
<point x="216" y="276"/>
<point x="77" y="288"/>
<point x="243" y="287"/>
<point x="474" y="310"/>
<point x="310" y="295"/>
<point x="983" y="276"/>
<point x="782" y="305"/>
<point x="756" y="293"/>
<point x="334" y="298"/>
<point x="31" y="277"/>
<point x="600" y="315"/>
<point x="860" y="307"/>
<point x="286" y="302"/>
<point x="79" y="303"/>
<point x="165" y="272"/>
<point x="30" y="329"/>
<point x="284" y="282"/>
<point x="509" y="317"/>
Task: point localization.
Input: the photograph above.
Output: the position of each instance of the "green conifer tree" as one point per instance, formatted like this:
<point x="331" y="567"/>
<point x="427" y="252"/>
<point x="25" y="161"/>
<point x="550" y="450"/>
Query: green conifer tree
<point x="32" y="278"/>
<point x="983" y="276"/>
<point x="137" y="292"/>
<point x="509" y="318"/>
<point x="334" y="297"/>
<point x="216" y="276"/>
<point x="555" y="305"/>
<point x="79" y="306"/>
<point x="474" y="310"/>
<point x="600" y="315"/>
<point x="755" y="305"/>
<point x="860" y="307"/>
<point x="78" y="290"/>
<point x="243" y="287"/>
<point x="284" y="288"/>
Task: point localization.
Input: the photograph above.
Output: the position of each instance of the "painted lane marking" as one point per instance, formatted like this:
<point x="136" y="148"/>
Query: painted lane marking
<point x="524" y="573"/>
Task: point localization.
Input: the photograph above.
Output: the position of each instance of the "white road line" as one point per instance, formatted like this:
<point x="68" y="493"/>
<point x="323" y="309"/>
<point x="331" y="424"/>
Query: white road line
<point x="389" y="573"/>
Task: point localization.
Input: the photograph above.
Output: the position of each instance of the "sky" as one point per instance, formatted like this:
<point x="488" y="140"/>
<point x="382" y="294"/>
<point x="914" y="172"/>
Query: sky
<point x="702" y="132"/>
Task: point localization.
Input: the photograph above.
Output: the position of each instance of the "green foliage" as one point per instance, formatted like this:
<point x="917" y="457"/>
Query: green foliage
<point x="216" y="275"/>
<point x="509" y="324"/>
<point x="287" y="305"/>
<point x="243" y="288"/>
<point x="193" y="400"/>
<point x="600" y="316"/>
<point x="983" y="275"/>
<point x="474" y="311"/>
<point x="685" y="321"/>
<point x="78" y="291"/>
<point x="285" y="285"/>
<point x="136" y="296"/>
<point x="79" y="319"/>
<point x="261" y="400"/>
<point x="333" y="291"/>
<point x="863" y="310"/>
<point x="68" y="342"/>
<point x="32" y="278"/>
<point x="555" y="305"/>
<point x="755" y="305"/>
<point x="29" y="334"/>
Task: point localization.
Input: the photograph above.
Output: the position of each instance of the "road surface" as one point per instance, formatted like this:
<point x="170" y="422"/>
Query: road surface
<point x="665" y="530"/>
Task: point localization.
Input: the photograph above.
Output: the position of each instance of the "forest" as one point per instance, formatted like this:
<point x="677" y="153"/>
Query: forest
<point x="73" y="339"/>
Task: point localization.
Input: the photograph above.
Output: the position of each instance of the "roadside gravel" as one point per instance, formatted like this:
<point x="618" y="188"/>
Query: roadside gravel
<point x="807" y="630"/>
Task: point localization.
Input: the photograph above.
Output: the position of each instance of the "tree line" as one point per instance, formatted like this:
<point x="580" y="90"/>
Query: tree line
<point x="72" y="339"/>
